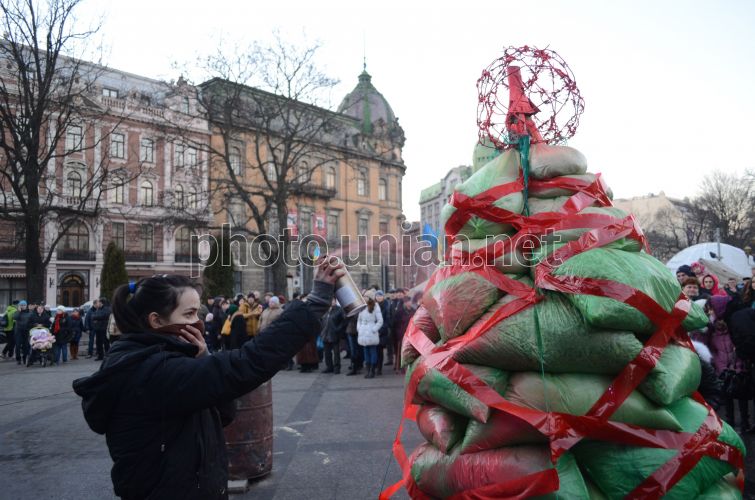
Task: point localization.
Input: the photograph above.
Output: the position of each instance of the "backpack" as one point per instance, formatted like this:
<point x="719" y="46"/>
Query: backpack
<point x="226" y="330"/>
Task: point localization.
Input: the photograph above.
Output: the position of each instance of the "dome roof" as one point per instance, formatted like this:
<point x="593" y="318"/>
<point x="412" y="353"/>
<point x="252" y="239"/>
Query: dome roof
<point x="366" y="104"/>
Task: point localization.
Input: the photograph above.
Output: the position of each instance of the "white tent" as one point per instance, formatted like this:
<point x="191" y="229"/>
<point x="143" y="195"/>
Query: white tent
<point x="730" y="256"/>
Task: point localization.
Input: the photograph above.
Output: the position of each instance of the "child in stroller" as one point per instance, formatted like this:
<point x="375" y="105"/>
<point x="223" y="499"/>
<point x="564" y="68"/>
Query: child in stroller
<point x="41" y="342"/>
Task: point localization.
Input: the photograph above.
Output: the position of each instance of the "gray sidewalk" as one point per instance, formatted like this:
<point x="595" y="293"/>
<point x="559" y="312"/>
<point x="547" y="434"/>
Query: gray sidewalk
<point x="332" y="436"/>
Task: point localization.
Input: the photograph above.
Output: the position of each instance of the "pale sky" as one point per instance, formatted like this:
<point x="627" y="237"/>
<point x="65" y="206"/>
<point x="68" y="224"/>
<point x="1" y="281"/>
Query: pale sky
<point x="669" y="86"/>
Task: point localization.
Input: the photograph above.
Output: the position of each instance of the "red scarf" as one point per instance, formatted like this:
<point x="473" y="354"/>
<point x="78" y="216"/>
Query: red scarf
<point x="56" y="326"/>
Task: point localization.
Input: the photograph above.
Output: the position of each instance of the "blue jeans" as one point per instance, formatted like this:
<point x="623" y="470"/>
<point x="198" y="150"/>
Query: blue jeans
<point x="355" y="351"/>
<point x="90" y="347"/>
<point x="58" y="349"/>
<point x="370" y="354"/>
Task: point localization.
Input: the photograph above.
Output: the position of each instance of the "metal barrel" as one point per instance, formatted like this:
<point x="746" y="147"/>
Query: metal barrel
<point x="249" y="438"/>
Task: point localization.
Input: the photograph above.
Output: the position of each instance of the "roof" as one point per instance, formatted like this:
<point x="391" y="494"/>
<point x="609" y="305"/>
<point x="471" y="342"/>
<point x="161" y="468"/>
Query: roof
<point x="431" y="192"/>
<point x="366" y="104"/>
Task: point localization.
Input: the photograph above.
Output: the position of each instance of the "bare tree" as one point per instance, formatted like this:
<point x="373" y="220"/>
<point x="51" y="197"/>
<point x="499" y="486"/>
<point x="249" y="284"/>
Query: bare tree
<point x="730" y="201"/>
<point x="43" y="95"/>
<point x="270" y="140"/>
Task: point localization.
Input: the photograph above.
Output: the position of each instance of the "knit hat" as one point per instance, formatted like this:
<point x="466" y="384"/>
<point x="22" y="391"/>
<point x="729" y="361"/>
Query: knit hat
<point x="232" y="309"/>
<point x="61" y="309"/>
<point x="686" y="270"/>
<point x="379" y="293"/>
<point x="22" y="303"/>
<point x="274" y="301"/>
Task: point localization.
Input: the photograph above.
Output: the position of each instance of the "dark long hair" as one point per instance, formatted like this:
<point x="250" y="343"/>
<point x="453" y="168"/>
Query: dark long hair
<point x="159" y="294"/>
<point x="370" y="304"/>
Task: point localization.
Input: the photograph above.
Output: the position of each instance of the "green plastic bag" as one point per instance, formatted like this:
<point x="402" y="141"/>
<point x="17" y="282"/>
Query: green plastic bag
<point x="676" y="375"/>
<point x="553" y="192"/>
<point x="725" y="489"/>
<point x="568" y="344"/>
<point x="457" y="301"/>
<point x="636" y="269"/>
<point x="566" y="235"/>
<point x="437" y="388"/>
<point x="441" y="476"/>
<point x="547" y="162"/>
<point x="501" y="170"/>
<point x="576" y="393"/>
<point x="512" y="262"/>
<point x="440" y="427"/>
<point x="618" y="469"/>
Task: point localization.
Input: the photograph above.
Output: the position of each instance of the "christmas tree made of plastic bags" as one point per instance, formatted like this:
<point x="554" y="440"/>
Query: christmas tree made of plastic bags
<point x="552" y="359"/>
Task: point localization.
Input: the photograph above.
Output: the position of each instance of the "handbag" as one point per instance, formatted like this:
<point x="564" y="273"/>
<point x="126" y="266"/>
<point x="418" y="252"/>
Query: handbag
<point x="320" y="343"/>
<point x="226" y="330"/>
<point x="736" y="385"/>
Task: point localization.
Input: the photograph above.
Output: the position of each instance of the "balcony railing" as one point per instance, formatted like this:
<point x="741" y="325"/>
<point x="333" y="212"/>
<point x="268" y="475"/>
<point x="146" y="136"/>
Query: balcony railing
<point x="311" y="189"/>
<point x="141" y="256"/>
<point x="74" y="254"/>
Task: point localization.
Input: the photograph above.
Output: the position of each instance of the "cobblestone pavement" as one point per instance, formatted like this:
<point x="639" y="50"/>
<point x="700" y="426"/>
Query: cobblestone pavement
<point x="332" y="437"/>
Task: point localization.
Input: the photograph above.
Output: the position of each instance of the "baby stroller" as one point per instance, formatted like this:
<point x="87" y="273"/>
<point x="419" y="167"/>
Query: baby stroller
<point x="41" y="341"/>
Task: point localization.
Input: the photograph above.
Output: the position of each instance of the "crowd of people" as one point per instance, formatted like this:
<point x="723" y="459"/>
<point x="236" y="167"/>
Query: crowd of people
<point x="369" y="340"/>
<point x="727" y="345"/>
<point x="67" y="327"/>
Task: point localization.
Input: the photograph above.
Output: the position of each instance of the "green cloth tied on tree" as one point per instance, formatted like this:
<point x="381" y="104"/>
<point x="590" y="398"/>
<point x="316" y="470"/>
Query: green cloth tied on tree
<point x="503" y="169"/>
<point x="619" y="469"/>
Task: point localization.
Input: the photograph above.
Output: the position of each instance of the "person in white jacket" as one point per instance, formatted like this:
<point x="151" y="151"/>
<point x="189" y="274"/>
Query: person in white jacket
<point x="368" y="334"/>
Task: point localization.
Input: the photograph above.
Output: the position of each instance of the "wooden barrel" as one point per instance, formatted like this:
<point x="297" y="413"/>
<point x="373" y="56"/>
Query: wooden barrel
<point x="249" y="438"/>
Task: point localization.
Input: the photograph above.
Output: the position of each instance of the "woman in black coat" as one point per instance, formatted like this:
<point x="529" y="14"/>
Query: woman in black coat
<point x="161" y="400"/>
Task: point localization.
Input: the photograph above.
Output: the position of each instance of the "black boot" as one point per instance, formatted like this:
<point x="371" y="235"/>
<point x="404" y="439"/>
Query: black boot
<point x="377" y="370"/>
<point x="352" y="371"/>
<point x="369" y="369"/>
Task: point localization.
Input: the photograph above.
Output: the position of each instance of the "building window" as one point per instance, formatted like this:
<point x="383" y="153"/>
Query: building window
<point x="365" y="280"/>
<point x="271" y="172"/>
<point x="178" y="160"/>
<point x="148" y="237"/>
<point x="183" y="241"/>
<point x="107" y="92"/>
<point x="74" y="138"/>
<point x="148" y="194"/>
<point x="305" y="223"/>
<point x="73" y="184"/>
<point x="192" y="201"/>
<point x="147" y="151"/>
<point x="191" y="157"/>
<point x="361" y="183"/>
<point x="76" y="238"/>
<point x="383" y="190"/>
<point x="330" y="178"/>
<point x="119" y="235"/>
<point x="185" y="105"/>
<point x="178" y="196"/>
<point x="333" y="230"/>
<point x="117" y="145"/>
<point x="234" y="159"/>
<point x="119" y="191"/>
<point x="364" y="225"/>
<point x="383" y="227"/>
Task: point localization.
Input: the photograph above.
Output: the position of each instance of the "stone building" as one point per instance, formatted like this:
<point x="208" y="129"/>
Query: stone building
<point x="149" y="204"/>
<point x="352" y="187"/>
<point x="432" y="199"/>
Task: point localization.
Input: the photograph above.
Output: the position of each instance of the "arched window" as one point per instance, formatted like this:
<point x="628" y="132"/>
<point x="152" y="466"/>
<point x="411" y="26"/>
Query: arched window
<point x="148" y="194"/>
<point x="362" y="183"/>
<point x="192" y="201"/>
<point x="383" y="189"/>
<point x="119" y="190"/>
<point x="178" y="196"/>
<point x="73" y="182"/>
<point x="271" y="172"/>
<point x="76" y="238"/>
<point x="234" y="159"/>
<point x="330" y="178"/>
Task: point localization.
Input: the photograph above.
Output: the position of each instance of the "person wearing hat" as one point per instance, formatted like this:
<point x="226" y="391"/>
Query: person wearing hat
<point x="10" y="338"/>
<point x="99" y="321"/>
<point x="61" y="329"/>
<point x="683" y="273"/>
<point x="21" y="331"/>
<point x="385" y="331"/>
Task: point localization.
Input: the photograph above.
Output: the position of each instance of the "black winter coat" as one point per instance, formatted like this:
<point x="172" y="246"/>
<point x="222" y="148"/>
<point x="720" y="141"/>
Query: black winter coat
<point x="39" y="319"/>
<point x="162" y="410"/>
<point x="334" y="325"/>
<point x="21" y="322"/>
<point x="99" y="318"/>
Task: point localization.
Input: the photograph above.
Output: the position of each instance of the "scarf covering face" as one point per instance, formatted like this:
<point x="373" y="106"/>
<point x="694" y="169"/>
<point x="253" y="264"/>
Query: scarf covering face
<point x="175" y="329"/>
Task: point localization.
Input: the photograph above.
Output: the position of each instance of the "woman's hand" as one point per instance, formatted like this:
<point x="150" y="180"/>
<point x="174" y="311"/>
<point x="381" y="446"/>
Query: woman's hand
<point x="194" y="336"/>
<point x="329" y="269"/>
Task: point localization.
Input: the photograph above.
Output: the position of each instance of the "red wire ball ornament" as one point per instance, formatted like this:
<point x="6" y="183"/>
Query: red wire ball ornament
<point x="542" y="101"/>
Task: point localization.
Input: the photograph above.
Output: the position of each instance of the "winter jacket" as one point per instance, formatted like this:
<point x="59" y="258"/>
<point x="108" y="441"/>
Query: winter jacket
<point x="22" y="322"/>
<point x="63" y="332"/>
<point x="269" y="315"/>
<point x="39" y="319"/>
<point x="385" y="311"/>
<point x="99" y="319"/>
<point x="710" y="384"/>
<point x="10" y="313"/>
<point x="76" y="326"/>
<point x="333" y="325"/>
<point x="368" y="326"/>
<point x="252" y="315"/>
<point x="742" y="331"/>
<point x="401" y="319"/>
<point x="162" y="410"/>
